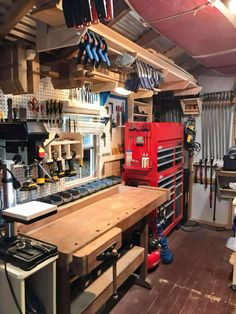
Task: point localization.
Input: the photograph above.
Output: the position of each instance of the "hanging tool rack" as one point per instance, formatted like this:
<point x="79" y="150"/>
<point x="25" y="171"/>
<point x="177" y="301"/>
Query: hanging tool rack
<point x="216" y="131"/>
<point x="163" y="144"/>
<point x="216" y="138"/>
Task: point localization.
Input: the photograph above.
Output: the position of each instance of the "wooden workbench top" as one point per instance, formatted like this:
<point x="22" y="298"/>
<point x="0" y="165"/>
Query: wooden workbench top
<point x="77" y="229"/>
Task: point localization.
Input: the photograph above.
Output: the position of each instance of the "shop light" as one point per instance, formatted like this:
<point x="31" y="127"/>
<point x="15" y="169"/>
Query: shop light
<point x="232" y="6"/>
<point x="122" y="91"/>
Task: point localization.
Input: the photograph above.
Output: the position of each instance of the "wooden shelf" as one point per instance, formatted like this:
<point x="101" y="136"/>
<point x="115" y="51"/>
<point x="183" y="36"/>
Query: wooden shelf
<point x="175" y="78"/>
<point x="113" y="157"/>
<point x="223" y="179"/>
<point x="141" y="104"/>
<point x="140" y="115"/>
<point x="65" y="142"/>
<point x="227" y="193"/>
<point x="41" y="279"/>
<point x="140" y="169"/>
<point x="93" y="297"/>
<point x="191" y="106"/>
<point x="224" y="173"/>
<point x="147" y="108"/>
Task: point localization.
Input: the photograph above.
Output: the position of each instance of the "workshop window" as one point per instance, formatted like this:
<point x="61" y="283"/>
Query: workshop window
<point x="89" y="156"/>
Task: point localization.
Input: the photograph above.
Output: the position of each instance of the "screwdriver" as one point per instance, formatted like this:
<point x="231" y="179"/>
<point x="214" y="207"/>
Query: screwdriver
<point x="55" y="107"/>
<point x="15" y="111"/>
<point x="48" y="110"/>
<point x="51" y="111"/>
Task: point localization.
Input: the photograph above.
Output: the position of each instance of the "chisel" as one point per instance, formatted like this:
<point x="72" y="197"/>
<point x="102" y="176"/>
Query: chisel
<point x="215" y="197"/>
<point x="195" y="173"/>
<point x="206" y="141"/>
<point x="9" y="113"/>
<point x="201" y="175"/>
<point x="211" y="170"/>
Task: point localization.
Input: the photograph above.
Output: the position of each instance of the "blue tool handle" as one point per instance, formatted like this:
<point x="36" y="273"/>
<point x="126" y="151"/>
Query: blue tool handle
<point x="88" y="51"/>
<point x="94" y="52"/>
<point x="100" y="55"/>
<point x="106" y="58"/>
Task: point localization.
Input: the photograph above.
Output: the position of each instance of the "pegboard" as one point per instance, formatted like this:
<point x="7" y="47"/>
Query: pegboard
<point x="114" y="138"/>
<point x="45" y="92"/>
<point x="44" y="190"/>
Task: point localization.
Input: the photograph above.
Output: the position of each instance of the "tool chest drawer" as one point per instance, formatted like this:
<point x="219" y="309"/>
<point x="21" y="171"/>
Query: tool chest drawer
<point x="163" y="144"/>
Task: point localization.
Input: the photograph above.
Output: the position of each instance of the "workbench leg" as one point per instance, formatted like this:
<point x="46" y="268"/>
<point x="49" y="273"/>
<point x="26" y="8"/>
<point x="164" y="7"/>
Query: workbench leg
<point x="63" y="286"/>
<point x="141" y="280"/>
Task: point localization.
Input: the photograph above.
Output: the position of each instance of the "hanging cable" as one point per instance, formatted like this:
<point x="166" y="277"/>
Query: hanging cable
<point x="194" y="11"/>
<point x="10" y="285"/>
<point x="192" y="226"/>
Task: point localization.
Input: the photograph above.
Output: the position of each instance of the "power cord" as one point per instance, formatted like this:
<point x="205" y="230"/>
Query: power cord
<point x="193" y="10"/>
<point x="16" y="183"/>
<point x="10" y="284"/>
<point x="192" y="226"/>
<point x="1" y="209"/>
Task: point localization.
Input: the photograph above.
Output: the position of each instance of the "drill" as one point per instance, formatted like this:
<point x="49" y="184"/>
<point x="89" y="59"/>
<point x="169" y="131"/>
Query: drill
<point x="29" y="184"/>
<point x="70" y="171"/>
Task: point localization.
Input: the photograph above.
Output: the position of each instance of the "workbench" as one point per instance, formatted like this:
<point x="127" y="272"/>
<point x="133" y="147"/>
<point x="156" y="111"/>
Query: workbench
<point x="84" y="229"/>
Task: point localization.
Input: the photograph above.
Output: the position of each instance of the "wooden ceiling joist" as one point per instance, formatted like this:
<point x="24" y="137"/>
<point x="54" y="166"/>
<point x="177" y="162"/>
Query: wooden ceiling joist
<point x="21" y="35"/>
<point x="15" y="14"/>
<point x="28" y="21"/>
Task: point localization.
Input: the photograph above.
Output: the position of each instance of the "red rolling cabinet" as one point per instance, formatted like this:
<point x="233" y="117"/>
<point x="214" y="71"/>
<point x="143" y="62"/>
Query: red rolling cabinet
<point x="163" y="144"/>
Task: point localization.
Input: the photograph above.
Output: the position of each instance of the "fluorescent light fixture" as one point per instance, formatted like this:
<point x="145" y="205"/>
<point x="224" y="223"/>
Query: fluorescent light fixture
<point x="232" y="6"/>
<point x="122" y="91"/>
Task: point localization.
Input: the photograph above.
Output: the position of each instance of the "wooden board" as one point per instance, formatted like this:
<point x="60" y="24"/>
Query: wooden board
<point x="53" y="15"/>
<point x="74" y="231"/>
<point x="85" y="260"/>
<point x="33" y="76"/>
<point x="49" y="12"/>
<point x="101" y="290"/>
<point x="29" y="211"/>
<point x="13" y="69"/>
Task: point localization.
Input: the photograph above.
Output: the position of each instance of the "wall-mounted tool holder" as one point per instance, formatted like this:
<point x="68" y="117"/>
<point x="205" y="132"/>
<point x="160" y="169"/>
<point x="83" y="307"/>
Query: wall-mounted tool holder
<point x="191" y="106"/>
<point x="226" y="181"/>
<point x="62" y="153"/>
<point x="140" y="110"/>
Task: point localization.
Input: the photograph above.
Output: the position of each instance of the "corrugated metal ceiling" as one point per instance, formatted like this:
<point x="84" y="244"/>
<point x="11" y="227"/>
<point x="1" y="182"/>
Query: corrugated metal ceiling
<point x="129" y="25"/>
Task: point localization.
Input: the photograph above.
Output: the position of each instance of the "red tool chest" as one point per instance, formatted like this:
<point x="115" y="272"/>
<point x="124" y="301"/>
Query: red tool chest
<point x="163" y="144"/>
